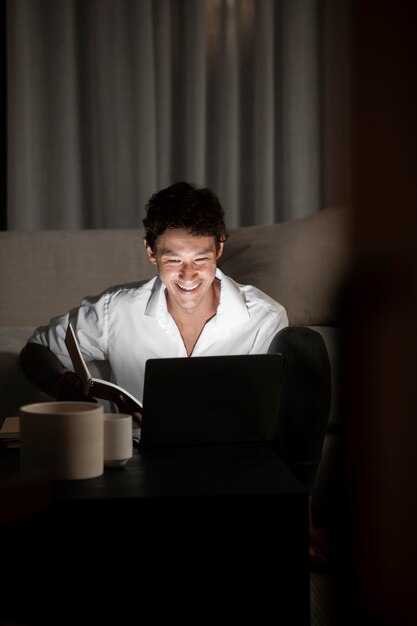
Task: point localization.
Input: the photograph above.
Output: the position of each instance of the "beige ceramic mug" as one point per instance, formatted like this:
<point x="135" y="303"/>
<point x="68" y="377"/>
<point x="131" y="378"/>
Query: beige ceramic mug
<point x="61" y="440"/>
<point x="118" y="439"/>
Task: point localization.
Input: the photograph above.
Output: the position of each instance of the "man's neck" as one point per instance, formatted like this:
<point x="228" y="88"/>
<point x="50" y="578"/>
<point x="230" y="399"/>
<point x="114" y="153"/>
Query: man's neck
<point x="191" y="322"/>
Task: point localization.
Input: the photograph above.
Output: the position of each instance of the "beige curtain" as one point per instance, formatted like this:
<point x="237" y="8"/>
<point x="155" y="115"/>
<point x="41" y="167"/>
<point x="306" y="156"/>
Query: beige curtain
<point x="110" y="100"/>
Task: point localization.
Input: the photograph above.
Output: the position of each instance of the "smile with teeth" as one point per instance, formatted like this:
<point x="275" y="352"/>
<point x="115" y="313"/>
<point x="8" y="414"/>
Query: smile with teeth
<point x="188" y="289"/>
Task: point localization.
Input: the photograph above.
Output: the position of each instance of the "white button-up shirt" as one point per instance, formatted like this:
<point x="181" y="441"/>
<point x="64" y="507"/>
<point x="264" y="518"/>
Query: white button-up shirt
<point x="129" y="324"/>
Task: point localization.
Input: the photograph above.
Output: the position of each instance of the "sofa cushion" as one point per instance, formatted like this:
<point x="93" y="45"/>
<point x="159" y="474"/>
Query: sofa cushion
<point x="301" y="264"/>
<point x="46" y="273"/>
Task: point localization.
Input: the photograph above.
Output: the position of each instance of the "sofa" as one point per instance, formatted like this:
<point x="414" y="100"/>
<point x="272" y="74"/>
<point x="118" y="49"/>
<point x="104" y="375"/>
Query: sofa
<point x="302" y="264"/>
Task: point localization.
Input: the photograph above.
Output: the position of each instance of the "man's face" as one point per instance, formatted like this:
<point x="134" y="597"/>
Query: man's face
<point x="187" y="267"/>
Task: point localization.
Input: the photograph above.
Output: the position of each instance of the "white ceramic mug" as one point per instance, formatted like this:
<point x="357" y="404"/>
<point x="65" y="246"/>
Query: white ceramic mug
<point x="61" y="440"/>
<point x="118" y="442"/>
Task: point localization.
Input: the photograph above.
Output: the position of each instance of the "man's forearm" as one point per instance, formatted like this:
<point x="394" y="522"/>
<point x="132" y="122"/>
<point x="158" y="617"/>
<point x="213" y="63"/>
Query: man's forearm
<point x="42" y="367"/>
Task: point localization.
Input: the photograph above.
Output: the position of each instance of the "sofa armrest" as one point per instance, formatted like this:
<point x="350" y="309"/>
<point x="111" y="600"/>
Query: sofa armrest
<point x="331" y="337"/>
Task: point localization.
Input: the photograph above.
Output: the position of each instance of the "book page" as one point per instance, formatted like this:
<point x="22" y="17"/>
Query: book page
<point x="110" y="391"/>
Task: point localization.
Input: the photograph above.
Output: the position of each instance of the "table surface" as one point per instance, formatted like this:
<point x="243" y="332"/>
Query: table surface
<point x="203" y="470"/>
<point x="213" y="531"/>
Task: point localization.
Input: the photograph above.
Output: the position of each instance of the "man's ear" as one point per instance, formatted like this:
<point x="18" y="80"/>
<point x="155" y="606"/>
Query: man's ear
<point x="150" y="253"/>
<point x="220" y="250"/>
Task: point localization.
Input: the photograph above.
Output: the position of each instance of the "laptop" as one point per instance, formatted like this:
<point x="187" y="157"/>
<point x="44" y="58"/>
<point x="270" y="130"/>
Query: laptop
<point x="211" y="399"/>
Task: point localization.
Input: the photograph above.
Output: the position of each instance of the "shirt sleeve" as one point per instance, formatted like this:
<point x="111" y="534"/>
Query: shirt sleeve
<point x="90" y="324"/>
<point x="273" y="322"/>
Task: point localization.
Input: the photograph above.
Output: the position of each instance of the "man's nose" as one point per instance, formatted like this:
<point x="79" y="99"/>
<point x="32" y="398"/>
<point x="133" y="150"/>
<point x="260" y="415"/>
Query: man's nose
<point x="187" y="271"/>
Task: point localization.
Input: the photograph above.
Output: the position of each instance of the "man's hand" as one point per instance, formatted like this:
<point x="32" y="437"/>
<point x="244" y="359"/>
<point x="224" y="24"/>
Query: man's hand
<point x="70" y="387"/>
<point x="124" y="406"/>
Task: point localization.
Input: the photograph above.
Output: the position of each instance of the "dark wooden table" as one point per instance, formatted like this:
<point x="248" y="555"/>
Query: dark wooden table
<point x="190" y="533"/>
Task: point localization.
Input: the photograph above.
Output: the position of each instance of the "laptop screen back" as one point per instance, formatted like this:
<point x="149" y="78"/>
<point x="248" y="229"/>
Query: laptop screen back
<point x="215" y="399"/>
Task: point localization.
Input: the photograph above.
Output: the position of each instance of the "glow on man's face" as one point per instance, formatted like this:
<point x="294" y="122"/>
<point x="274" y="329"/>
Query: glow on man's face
<point x="187" y="267"/>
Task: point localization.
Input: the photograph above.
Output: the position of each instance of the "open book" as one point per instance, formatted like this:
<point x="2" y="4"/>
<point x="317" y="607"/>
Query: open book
<point x="96" y="387"/>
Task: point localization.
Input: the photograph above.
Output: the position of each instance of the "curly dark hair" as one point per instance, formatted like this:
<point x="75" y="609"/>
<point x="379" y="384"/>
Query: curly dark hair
<point x="184" y="206"/>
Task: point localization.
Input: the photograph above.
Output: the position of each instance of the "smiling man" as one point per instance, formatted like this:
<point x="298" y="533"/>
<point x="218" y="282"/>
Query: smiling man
<point x="189" y="309"/>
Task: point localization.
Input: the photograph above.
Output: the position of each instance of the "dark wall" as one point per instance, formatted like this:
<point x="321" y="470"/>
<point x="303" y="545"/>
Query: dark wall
<point x="378" y="522"/>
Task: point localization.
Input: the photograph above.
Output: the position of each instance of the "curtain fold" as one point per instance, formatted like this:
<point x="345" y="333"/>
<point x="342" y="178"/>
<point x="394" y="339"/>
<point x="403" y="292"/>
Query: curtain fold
<point x="110" y="100"/>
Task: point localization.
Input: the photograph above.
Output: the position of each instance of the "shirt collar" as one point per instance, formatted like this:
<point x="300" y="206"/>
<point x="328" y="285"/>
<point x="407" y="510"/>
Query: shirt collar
<point x="232" y="309"/>
<point x="157" y="304"/>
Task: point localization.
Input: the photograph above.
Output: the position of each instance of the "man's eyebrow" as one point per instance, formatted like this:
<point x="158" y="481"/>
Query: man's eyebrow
<point x="168" y="252"/>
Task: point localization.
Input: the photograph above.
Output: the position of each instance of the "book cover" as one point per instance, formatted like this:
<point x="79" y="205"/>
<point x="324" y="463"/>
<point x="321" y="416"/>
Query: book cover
<point x="10" y="429"/>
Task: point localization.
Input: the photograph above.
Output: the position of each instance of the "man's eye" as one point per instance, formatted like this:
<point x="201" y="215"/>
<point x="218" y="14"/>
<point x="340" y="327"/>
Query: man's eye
<point x="202" y="258"/>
